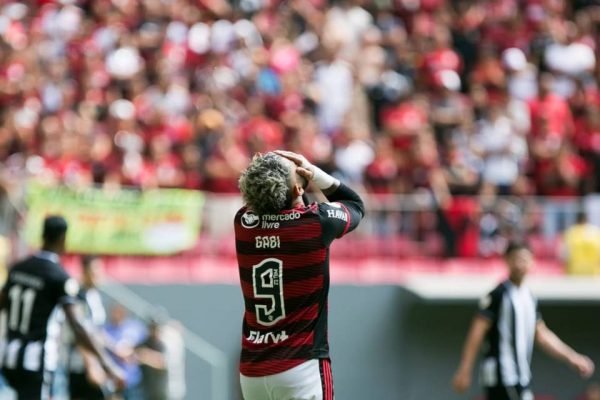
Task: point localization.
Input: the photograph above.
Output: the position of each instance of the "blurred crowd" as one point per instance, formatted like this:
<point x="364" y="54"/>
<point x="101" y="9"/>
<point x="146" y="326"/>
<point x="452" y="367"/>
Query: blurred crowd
<point x="449" y="98"/>
<point x="458" y="96"/>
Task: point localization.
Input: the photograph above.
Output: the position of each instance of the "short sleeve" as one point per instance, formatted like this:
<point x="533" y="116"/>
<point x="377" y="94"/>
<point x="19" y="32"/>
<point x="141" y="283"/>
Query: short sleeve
<point x="67" y="290"/>
<point x="489" y="305"/>
<point x="337" y="219"/>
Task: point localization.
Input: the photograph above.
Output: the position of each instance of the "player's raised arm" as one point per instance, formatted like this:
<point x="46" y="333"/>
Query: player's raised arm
<point x="345" y="208"/>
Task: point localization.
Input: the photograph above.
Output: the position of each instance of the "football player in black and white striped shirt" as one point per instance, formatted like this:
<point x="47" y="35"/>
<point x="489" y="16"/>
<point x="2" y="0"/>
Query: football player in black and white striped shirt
<point x="37" y="296"/>
<point x="509" y="323"/>
<point x="87" y="380"/>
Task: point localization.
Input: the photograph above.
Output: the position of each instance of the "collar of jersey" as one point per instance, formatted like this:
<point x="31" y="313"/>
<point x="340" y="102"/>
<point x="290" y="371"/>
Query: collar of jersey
<point x="48" y="255"/>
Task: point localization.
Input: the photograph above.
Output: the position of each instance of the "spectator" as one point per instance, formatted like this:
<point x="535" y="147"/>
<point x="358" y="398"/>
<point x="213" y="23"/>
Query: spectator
<point x="502" y="149"/>
<point x="151" y="354"/>
<point x="181" y="95"/>
<point x="569" y="59"/>
<point x="449" y="108"/>
<point x="440" y="58"/>
<point x="581" y="247"/>
<point x="334" y="81"/>
<point x="550" y="114"/>
<point x="123" y="334"/>
<point x="522" y="75"/>
<point x="560" y="178"/>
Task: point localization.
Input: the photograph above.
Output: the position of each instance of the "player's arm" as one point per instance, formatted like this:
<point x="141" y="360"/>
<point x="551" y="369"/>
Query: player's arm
<point x="3" y="298"/>
<point x="85" y="339"/>
<point x="488" y="311"/>
<point x="341" y="193"/>
<point x="67" y="290"/>
<point x="331" y="187"/>
<point x="477" y="332"/>
<point x="339" y="217"/>
<point x="93" y="369"/>
<point x="552" y="345"/>
<point x="4" y="294"/>
<point x="345" y="208"/>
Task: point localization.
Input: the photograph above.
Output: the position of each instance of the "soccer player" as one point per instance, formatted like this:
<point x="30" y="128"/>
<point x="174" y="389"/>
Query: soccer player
<point x="282" y="248"/>
<point x="509" y="321"/>
<point x="36" y="291"/>
<point x="86" y="376"/>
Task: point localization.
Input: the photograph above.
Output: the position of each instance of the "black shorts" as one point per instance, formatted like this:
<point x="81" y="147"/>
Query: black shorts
<point x="508" y="393"/>
<point x="80" y="388"/>
<point x="29" y="385"/>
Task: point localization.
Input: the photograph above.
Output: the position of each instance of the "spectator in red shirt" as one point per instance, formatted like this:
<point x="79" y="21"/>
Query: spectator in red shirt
<point x="441" y="57"/>
<point x="488" y="71"/>
<point x="404" y="120"/>
<point x="261" y="133"/>
<point x="157" y="94"/>
<point x="560" y="178"/>
<point x="449" y="108"/>
<point x="549" y="108"/>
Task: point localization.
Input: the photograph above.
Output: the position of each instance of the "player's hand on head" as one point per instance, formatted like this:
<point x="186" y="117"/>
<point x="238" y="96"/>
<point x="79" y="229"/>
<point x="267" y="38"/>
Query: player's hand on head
<point x="461" y="381"/>
<point x="296" y="158"/>
<point x="305" y="173"/>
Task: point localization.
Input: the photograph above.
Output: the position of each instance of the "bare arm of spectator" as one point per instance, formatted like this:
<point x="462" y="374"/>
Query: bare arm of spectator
<point x="567" y="172"/>
<point x="439" y="187"/>
<point x="544" y="148"/>
<point x="445" y="116"/>
<point x="152" y="358"/>
<point x="314" y="17"/>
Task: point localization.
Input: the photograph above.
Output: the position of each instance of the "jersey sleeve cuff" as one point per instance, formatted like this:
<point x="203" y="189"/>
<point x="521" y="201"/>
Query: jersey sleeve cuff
<point x="347" y="222"/>
<point x="486" y="314"/>
<point x="67" y="300"/>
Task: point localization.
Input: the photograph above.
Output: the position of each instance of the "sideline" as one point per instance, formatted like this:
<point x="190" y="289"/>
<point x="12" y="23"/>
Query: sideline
<point x="196" y="345"/>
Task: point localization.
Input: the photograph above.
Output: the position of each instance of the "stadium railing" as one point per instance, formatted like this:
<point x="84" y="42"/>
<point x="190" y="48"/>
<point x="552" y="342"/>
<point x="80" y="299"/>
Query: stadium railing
<point x="415" y="226"/>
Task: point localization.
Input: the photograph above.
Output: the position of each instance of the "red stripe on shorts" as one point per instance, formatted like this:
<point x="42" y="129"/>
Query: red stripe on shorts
<point x="326" y="379"/>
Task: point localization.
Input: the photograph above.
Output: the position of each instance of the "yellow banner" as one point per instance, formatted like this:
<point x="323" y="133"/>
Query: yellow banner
<point x="160" y="221"/>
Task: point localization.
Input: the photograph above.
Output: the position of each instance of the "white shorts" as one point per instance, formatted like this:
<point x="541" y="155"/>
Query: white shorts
<point x="311" y="380"/>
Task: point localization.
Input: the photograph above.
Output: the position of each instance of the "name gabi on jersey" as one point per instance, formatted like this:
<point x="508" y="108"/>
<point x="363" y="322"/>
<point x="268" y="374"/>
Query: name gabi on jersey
<point x="338" y="214"/>
<point x="267" y="242"/>
<point x="270" y="337"/>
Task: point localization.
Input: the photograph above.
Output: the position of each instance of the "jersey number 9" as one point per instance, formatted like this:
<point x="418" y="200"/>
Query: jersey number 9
<point x="267" y="281"/>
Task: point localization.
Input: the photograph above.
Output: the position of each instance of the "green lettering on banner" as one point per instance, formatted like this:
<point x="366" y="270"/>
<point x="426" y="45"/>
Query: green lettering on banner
<point x="129" y="222"/>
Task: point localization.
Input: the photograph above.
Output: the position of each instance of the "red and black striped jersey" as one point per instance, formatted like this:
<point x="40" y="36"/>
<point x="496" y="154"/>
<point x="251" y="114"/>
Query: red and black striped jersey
<point x="283" y="263"/>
